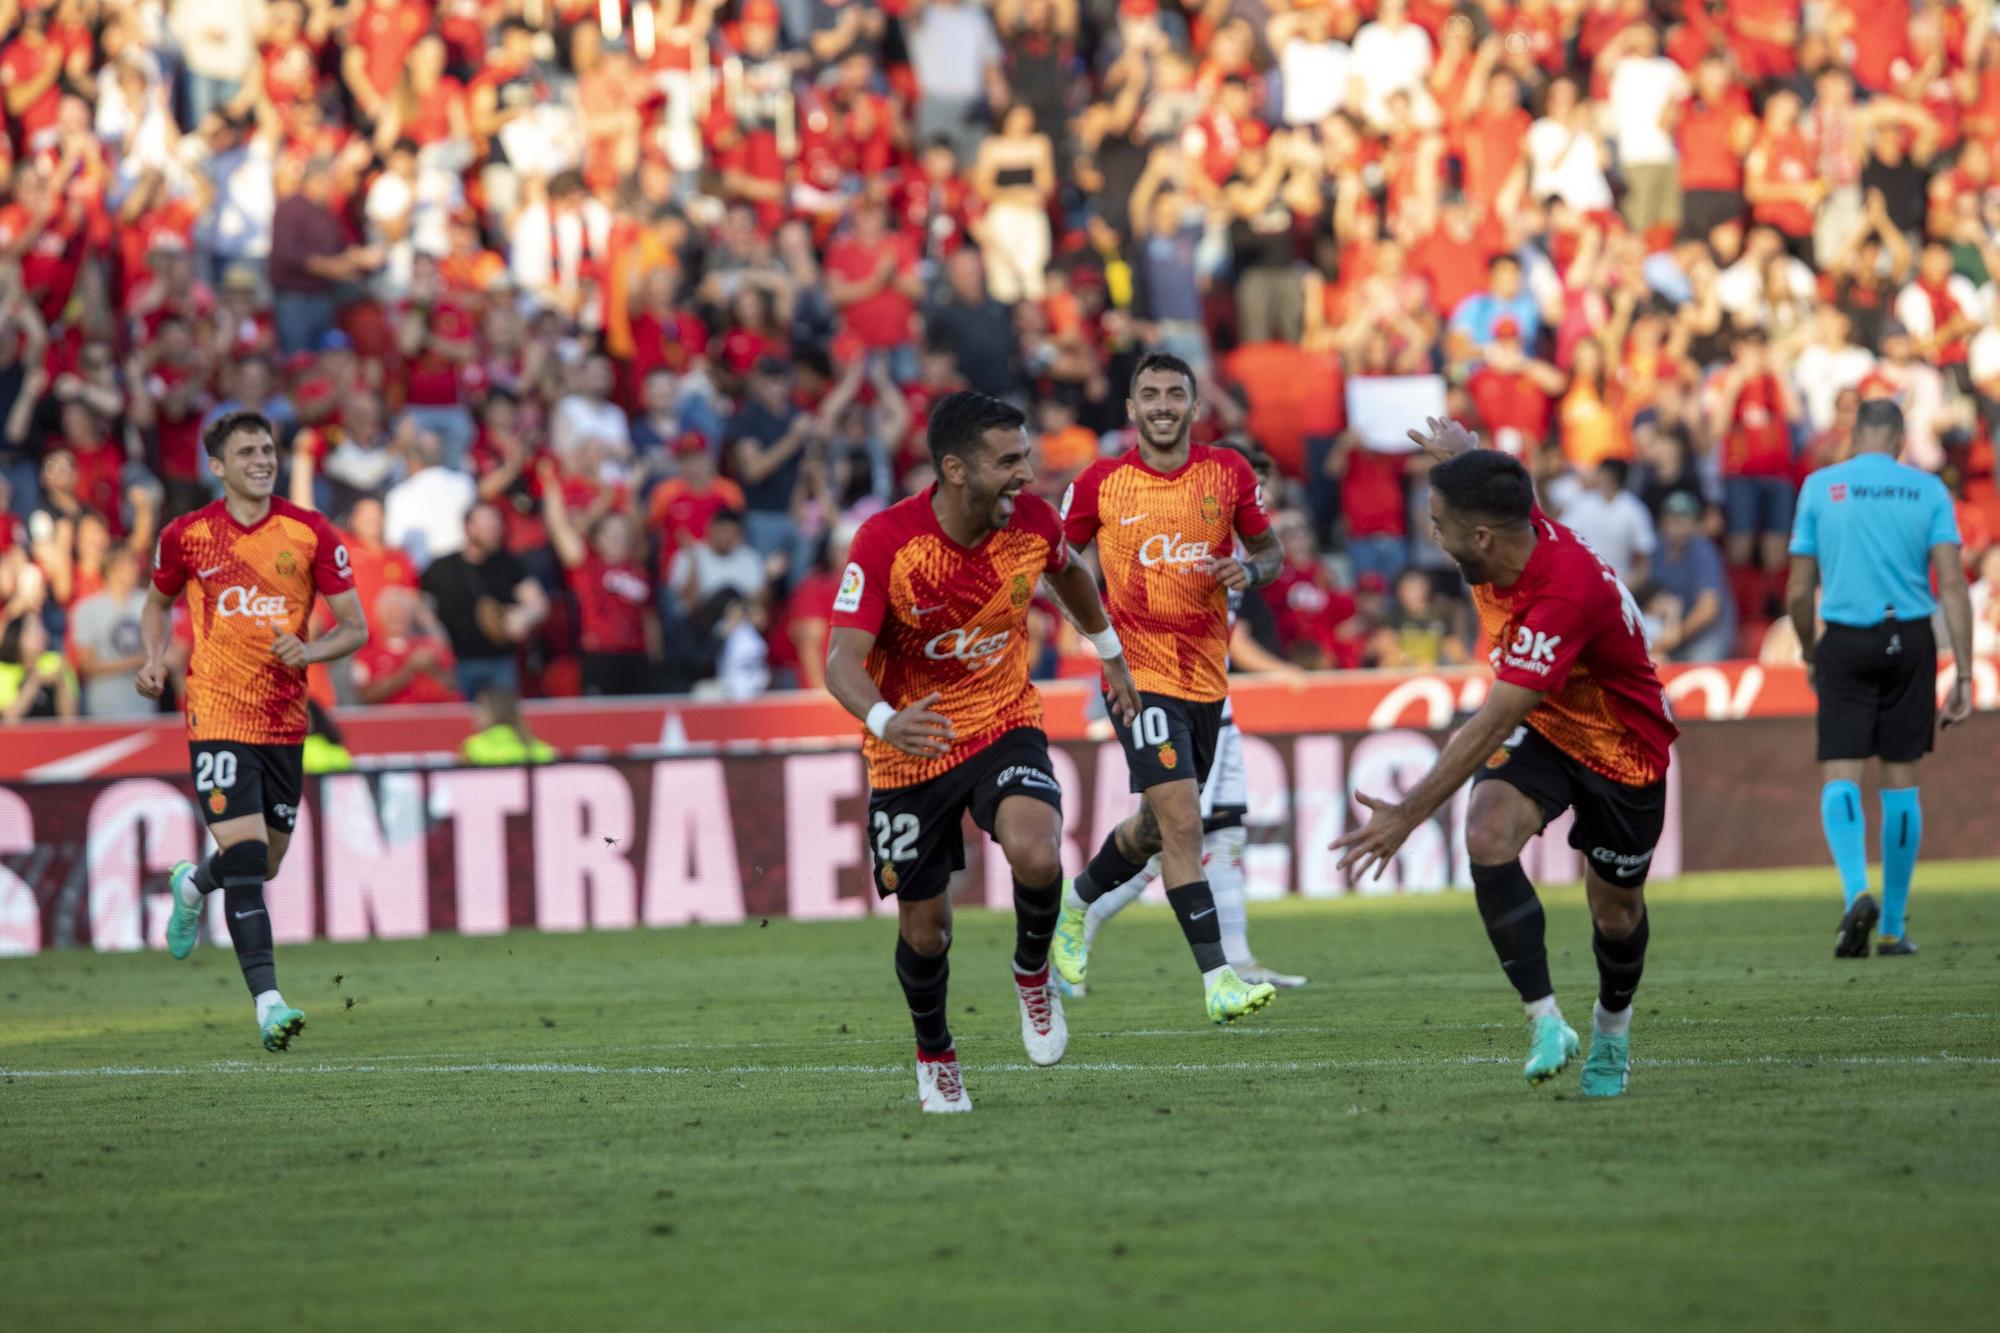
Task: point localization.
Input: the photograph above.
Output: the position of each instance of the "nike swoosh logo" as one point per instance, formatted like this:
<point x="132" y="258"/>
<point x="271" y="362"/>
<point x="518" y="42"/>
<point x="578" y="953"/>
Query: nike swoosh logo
<point x="258" y="911"/>
<point x="1128" y="522"/>
<point x="1199" y="915"/>
<point x="208" y="573"/>
<point x="922" y="611"/>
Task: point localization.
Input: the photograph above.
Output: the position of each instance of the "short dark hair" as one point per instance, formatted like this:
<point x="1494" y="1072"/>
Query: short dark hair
<point x="1879" y="414"/>
<point x="1617" y="468"/>
<point x="216" y="438"/>
<point x="1486" y="484"/>
<point x="960" y="421"/>
<point x="1166" y="361"/>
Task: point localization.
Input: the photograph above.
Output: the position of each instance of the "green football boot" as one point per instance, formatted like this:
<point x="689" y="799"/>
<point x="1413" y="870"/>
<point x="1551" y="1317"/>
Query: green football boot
<point x="1230" y="996"/>
<point x="278" y="1030"/>
<point x="184" y="926"/>
<point x="1609" y="1066"/>
<point x="1552" y="1045"/>
<point x="1068" y="952"/>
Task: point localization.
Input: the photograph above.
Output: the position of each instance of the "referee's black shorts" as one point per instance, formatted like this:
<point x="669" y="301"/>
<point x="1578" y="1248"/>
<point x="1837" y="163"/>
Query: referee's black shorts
<point x="1877" y="691"/>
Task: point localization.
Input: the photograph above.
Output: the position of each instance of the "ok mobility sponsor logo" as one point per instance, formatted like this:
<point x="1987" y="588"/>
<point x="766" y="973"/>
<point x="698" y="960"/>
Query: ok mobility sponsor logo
<point x="1604" y="856"/>
<point x="1529" y="651"/>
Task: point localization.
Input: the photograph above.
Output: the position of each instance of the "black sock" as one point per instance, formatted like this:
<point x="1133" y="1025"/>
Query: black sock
<point x="924" y="987"/>
<point x="1195" y="906"/>
<point x="208" y="876"/>
<point x="1619" y="964"/>
<point x="1515" y="924"/>
<point x="1035" y="913"/>
<point x="250" y="931"/>
<point x="1106" y="871"/>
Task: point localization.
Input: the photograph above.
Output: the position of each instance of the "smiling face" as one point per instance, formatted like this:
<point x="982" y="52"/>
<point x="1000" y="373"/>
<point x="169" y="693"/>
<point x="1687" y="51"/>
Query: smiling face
<point x="1163" y="407"/>
<point x="993" y="474"/>
<point x="247" y="464"/>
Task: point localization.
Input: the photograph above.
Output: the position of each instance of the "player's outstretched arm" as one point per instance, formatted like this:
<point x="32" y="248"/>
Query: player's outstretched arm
<point x="1076" y="589"/>
<point x="156" y="634"/>
<point x="914" y="729"/>
<point x="1371" y="846"/>
<point x="349" y="632"/>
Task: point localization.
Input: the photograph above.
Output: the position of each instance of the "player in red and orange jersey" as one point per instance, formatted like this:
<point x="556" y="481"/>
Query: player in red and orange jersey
<point x="929" y="647"/>
<point x="1166" y="518"/>
<point x="1576" y="720"/>
<point x="252" y="565"/>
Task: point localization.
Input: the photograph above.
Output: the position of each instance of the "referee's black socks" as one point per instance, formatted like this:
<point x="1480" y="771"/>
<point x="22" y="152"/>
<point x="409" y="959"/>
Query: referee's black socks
<point x="1515" y="924"/>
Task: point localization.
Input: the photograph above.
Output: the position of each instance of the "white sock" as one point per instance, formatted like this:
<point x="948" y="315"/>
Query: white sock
<point x="1545" y="1005"/>
<point x="1610" y="1024"/>
<point x="1212" y="974"/>
<point x="1222" y="859"/>
<point x="189" y="894"/>
<point x="1110" y="905"/>
<point x="267" y="1001"/>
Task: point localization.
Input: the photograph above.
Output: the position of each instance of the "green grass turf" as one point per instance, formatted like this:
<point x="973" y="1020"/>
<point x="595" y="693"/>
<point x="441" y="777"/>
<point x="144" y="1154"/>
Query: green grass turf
<point x="716" y="1128"/>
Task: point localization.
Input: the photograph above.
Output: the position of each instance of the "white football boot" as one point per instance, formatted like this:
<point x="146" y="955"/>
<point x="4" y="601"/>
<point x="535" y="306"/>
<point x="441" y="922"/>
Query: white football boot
<point x="1043" y="1030"/>
<point x="940" y="1088"/>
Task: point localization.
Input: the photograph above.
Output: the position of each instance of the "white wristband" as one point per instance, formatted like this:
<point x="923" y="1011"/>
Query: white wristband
<point x="878" y="717"/>
<point x="1106" y="643"/>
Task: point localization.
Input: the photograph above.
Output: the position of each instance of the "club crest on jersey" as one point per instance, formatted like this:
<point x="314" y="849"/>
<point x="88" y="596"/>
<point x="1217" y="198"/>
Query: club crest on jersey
<point x="1173" y="552"/>
<point x="217" y="802"/>
<point x="1497" y="758"/>
<point x="1211" y="508"/>
<point x="1021" y="591"/>
<point x="287" y="566"/>
<point x="1169" y="757"/>
<point x="974" y="647"/>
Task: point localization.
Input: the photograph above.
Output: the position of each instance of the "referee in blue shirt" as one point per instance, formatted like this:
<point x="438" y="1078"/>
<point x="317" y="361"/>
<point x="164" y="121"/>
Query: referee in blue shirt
<point x="1872" y="532"/>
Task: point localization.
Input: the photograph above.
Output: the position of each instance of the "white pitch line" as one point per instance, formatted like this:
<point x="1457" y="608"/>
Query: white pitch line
<point x="1943" y="1058"/>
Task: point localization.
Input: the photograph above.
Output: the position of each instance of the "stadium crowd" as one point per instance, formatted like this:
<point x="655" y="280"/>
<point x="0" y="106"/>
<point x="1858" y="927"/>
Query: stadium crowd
<point x="599" y="328"/>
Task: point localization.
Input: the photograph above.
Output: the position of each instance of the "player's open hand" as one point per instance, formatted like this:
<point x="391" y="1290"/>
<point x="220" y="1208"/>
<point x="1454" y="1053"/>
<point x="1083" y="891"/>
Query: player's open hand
<point x="289" y="649"/>
<point x="1121" y="695"/>
<point x="151" y="681"/>
<point x="1368" y="848"/>
<point x="1958" y="704"/>
<point x="1443" y="438"/>
<point x="916" y="730"/>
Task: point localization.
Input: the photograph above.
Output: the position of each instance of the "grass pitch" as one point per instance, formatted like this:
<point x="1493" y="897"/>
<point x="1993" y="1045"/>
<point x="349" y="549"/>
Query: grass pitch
<point x="716" y="1128"/>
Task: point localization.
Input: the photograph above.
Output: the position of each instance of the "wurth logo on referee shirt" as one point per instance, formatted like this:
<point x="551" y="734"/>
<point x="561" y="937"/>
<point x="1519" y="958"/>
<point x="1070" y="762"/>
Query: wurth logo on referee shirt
<point x="1837" y="492"/>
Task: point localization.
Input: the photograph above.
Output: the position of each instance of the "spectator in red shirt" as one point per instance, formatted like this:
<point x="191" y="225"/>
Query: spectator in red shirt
<point x="874" y="281"/>
<point x="619" y="630"/>
<point x="809" y="612"/>
<point x="679" y="510"/>
<point x="1514" y="390"/>
<point x="1754" y="408"/>
<point x="1713" y="131"/>
<point x="1781" y="175"/>
<point x="1316" y="621"/>
<point x="403" y="662"/>
<point x="1373" y="506"/>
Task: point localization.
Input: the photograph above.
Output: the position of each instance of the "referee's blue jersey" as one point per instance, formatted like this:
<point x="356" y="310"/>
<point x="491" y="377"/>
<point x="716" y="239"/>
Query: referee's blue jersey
<point x="1871" y="523"/>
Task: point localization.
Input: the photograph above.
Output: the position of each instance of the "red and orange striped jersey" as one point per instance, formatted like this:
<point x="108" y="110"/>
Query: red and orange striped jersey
<point x="1158" y="537"/>
<point x="244" y="586"/>
<point x="1570" y="629"/>
<point x="950" y="620"/>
